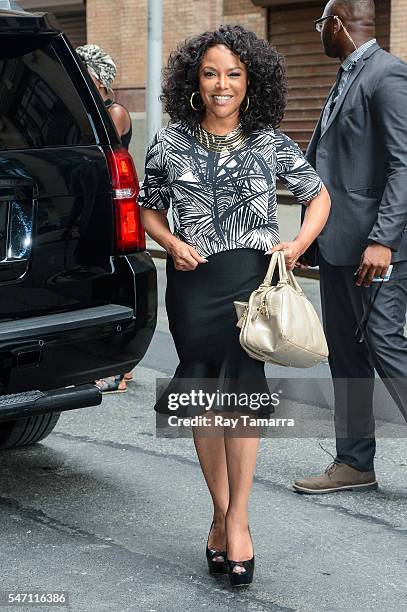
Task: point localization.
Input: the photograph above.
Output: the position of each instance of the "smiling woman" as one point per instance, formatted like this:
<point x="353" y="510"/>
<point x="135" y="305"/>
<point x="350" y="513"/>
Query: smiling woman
<point x="216" y="165"/>
<point x="222" y="87"/>
<point x="240" y="71"/>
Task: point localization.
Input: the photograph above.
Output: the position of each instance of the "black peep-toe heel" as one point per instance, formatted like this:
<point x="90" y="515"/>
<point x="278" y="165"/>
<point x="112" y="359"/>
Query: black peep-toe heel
<point x="242" y="578"/>
<point x="215" y="567"/>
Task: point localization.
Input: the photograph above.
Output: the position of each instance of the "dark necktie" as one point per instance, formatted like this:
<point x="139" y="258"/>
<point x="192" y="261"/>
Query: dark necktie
<point x="335" y="91"/>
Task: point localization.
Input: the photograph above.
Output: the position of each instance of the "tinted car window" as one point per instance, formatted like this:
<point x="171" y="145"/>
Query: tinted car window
<point x="39" y="105"/>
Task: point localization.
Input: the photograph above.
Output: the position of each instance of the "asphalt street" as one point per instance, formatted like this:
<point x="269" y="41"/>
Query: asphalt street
<point x="118" y="518"/>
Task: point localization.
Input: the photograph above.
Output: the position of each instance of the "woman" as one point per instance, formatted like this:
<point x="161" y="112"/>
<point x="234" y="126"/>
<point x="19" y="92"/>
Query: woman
<point x="216" y="163"/>
<point x="102" y="69"/>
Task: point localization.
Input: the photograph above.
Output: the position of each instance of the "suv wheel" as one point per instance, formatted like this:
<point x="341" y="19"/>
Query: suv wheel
<point x="23" y="432"/>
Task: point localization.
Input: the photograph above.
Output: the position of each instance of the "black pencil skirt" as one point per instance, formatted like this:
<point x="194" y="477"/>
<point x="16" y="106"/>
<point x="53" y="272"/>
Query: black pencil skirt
<point x="202" y="321"/>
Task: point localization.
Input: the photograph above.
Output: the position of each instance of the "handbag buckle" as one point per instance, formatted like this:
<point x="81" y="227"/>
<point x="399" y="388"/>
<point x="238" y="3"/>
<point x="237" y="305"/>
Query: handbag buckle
<point x="263" y="309"/>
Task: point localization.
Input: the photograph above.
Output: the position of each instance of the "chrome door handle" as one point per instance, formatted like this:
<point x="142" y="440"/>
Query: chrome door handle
<point x="17" y="236"/>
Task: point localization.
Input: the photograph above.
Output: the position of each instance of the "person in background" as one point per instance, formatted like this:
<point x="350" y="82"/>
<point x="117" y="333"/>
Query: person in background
<point x="102" y="69"/>
<point x="360" y="150"/>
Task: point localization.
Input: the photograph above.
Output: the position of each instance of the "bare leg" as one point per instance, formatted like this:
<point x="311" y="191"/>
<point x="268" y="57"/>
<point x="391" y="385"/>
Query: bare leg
<point x="210" y="447"/>
<point x="241" y="455"/>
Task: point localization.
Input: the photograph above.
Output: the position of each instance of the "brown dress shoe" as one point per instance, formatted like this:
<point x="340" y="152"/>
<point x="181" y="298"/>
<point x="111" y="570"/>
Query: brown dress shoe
<point x="337" y="477"/>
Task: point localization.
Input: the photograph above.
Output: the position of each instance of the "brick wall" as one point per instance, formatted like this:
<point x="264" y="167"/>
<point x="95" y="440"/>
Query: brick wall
<point x="244" y="13"/>
<point x="123" y="35"/>
<point x="398" y="28"/>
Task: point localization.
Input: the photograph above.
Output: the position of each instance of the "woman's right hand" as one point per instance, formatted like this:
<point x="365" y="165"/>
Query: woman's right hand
<point x="185" y="256"/>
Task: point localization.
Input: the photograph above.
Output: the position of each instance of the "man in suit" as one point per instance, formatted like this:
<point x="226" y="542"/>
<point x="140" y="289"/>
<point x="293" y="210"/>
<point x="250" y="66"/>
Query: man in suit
<point x="359" y="149"/>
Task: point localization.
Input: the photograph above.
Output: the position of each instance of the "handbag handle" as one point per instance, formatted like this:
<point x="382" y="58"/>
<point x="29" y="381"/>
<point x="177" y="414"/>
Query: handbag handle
<point x="285" y="276"/>
<point x="276" y="258"/>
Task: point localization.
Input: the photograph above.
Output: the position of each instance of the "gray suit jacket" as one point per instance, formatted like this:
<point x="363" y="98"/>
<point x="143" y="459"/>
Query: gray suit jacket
<point x="362" y="159"/>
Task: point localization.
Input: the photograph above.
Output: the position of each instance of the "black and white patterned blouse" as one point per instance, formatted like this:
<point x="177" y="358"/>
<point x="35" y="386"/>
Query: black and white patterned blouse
<point x="224" y="201"/>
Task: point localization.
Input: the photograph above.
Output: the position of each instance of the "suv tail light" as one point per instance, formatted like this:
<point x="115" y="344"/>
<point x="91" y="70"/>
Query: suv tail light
<point x="130" y="235"/>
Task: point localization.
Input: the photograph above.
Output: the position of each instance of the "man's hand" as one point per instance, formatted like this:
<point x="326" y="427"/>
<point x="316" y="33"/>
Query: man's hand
<point x="185" y="256"/>
<point x="374" y="263"/>
<point x="302" y="264"/>
<point x="292" y="251"/>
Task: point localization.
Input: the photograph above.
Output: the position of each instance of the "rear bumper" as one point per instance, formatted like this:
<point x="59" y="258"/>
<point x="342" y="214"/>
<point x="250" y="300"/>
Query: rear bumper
<point x="23" y="405"/>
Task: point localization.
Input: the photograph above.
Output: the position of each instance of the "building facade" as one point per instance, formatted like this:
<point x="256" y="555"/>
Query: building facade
<point x="120" y="27"/>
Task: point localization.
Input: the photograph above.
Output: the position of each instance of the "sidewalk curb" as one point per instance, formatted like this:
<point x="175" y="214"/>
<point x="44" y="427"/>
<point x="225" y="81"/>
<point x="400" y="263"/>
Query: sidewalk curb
<point x="311" y="273"/>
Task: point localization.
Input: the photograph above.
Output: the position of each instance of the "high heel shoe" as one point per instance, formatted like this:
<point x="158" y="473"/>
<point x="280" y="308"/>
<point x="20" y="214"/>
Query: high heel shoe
<point x="215" y="567"/>
<point x="242" y="578"/>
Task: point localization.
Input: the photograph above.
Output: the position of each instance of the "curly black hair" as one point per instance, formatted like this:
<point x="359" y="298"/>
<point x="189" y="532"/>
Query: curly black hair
<point x="266" y="73"/>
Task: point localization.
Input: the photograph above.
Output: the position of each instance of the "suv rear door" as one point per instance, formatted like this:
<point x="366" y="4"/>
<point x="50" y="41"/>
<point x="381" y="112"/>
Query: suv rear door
<point x="57" y="222"/>
<point x="54" y="187"/>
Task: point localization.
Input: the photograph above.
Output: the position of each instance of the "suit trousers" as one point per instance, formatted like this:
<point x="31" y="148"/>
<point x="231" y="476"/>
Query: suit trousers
<point x="353" y="364"/>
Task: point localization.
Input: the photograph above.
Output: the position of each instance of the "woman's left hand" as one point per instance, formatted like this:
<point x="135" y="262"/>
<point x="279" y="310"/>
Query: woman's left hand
<point x="292" y="251"/>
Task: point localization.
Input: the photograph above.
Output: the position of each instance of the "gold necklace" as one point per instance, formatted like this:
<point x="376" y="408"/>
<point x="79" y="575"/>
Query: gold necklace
<point x="220" y="144"/>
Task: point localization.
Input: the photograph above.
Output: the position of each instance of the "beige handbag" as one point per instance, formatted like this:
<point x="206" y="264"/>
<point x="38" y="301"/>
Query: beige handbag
<point x="279" y="324"/>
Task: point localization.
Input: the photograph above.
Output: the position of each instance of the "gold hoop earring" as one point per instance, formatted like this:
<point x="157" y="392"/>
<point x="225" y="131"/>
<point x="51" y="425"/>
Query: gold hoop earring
<point x="247" y="105"/>
<point x="191" y="101"/>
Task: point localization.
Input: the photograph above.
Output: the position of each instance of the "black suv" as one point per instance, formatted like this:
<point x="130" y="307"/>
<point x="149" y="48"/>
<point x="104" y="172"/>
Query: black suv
<point x="78" y="295"/>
